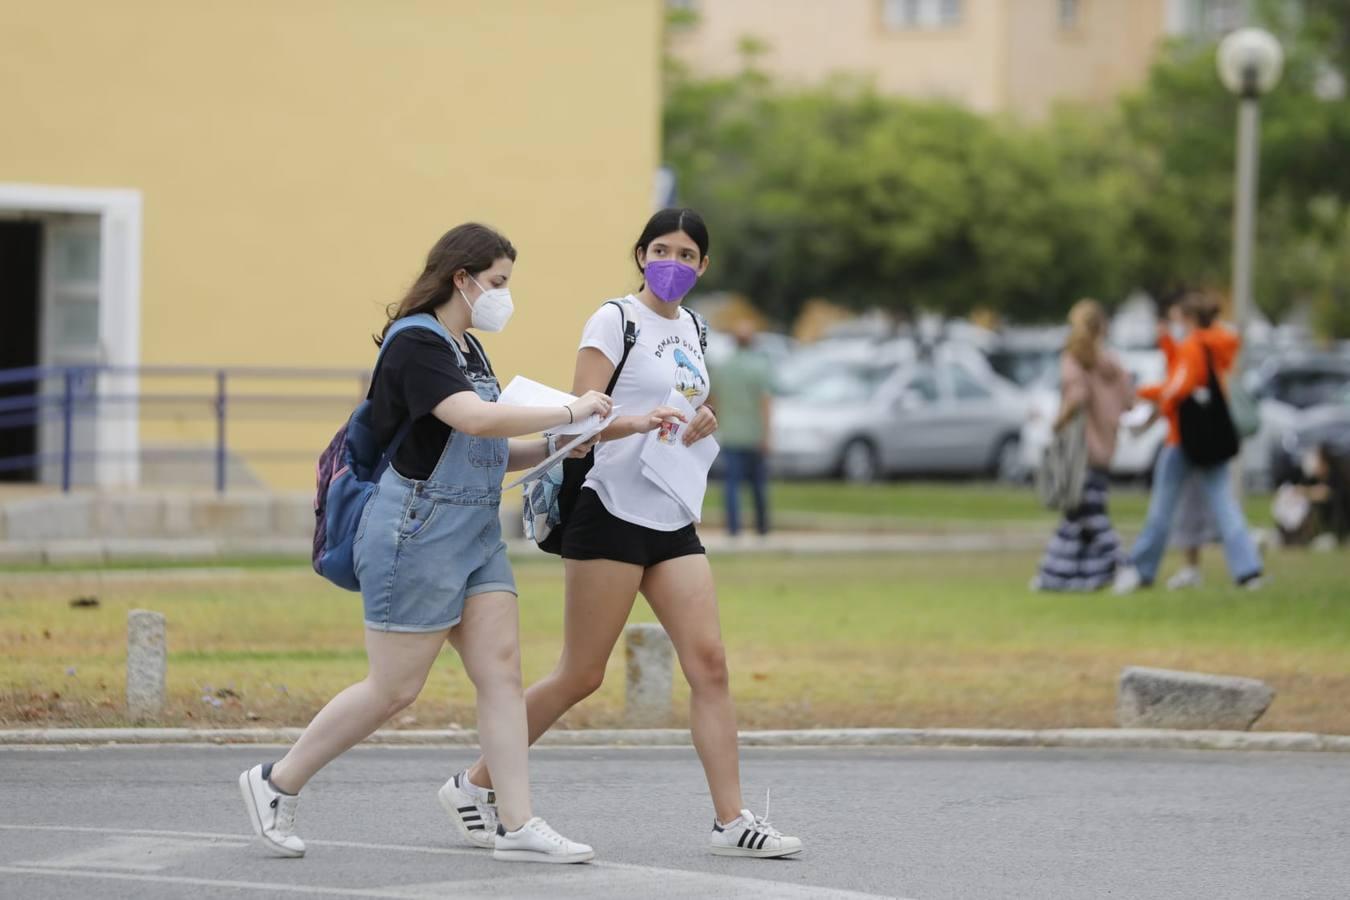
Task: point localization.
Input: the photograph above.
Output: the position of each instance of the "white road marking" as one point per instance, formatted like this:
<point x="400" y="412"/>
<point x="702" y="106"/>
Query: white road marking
<point x="626" y="878"/>
<point x="268" y="886"/>
<point x="132" y="853"/>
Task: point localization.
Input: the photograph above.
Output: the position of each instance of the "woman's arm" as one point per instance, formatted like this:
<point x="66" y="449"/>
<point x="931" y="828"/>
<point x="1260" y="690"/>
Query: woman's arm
<point x="594" y="370"/>
<point x="525" y="453"/>
<point x="465" y="411"/>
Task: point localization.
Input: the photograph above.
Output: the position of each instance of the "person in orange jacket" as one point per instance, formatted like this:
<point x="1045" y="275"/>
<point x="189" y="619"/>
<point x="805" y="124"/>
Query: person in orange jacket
<point x="1202" y="344"/>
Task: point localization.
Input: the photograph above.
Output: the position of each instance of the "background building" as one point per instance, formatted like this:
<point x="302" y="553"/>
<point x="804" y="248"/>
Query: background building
<point x="249" y="184"/>
<point x="1018" y="56"/>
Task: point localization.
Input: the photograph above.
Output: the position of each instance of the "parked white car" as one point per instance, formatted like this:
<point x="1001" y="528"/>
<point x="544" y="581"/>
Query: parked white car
<point x="865" y="421"/>
<point x="1135" y="453"/>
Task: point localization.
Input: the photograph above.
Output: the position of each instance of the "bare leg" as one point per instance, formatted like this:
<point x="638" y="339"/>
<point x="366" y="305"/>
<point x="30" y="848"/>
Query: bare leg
<point x="682" y="595"/>
<point x="600" y="595"/>
<point x="488" y="640"/>
<point x="399" y="664"/>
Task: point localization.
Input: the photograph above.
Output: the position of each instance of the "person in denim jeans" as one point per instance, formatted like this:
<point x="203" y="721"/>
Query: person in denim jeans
<point x="430" y="557"/>
<point x="744" y="398"/>
<point x="1202" y="345"/>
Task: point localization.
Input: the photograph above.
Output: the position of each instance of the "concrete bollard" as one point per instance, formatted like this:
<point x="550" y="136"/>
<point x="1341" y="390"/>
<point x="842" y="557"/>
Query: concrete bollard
<point x="146" y="657"/>
<point x="650" y="666"/>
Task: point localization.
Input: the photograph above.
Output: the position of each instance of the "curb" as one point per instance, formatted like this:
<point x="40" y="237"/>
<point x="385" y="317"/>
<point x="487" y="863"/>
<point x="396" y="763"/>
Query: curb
<point x="1071" y="738"/>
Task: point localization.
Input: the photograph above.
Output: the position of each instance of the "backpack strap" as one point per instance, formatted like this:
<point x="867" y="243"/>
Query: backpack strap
<point x="702" y="325"/>
<point x="630" y="336"/>
<point x="421" y="320"/>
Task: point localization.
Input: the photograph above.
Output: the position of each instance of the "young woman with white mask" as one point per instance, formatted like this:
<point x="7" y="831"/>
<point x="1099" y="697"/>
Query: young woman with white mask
<point x="429" y="553"/>
<point x="626" y="536"/>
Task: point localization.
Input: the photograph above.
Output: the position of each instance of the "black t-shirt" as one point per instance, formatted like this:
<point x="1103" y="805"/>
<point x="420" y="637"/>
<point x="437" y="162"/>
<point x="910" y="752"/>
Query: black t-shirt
<point x="415" y="373"/>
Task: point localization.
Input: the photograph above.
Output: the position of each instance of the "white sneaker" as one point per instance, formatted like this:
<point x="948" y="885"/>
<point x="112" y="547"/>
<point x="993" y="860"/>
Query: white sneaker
<point x="1188" y="577"/>
<point x="751" y="836"/>
<point x="535" y="841"/>
<point x="272" y="813"/>
<point x="474" y="811"/>
<point x="1255" y="583"/>
<point x="1127" y="581"/>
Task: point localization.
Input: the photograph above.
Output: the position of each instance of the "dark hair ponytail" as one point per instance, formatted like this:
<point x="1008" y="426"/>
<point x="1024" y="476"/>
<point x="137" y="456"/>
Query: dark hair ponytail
<point x="668" y="221"/>
<point x="471" y="247"/>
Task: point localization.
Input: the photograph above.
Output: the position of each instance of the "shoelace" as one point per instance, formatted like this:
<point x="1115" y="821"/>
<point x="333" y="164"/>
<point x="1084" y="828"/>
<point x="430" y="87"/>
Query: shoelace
<point x="544" y="830"/>
<point x="760" y="824"/>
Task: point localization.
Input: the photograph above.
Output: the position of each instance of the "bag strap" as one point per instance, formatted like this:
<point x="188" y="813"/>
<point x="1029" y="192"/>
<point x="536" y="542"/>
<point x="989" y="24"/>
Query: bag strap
<point x="430" y="323"/>
<point x="702" y="325"/>
<point x="630" y="336"/>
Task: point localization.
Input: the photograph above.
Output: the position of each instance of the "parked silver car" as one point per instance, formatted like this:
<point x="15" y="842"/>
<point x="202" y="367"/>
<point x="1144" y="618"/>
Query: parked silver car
<point x="864" y="421"/>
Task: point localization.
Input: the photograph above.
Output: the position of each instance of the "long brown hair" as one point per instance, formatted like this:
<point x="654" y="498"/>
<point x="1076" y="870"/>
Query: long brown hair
<point x="1087" y="327"/>
<point x="469" y="247"/>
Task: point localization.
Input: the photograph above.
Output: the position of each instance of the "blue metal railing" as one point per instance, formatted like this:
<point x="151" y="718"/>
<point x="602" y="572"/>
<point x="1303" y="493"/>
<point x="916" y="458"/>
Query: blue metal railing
<point x="71" y="394"/>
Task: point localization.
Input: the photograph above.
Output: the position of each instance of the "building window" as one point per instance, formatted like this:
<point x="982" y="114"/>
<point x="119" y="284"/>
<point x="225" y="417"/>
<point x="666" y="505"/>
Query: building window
<point x="1068" y="13"/>
<point x="908" y="14"/>
<point x="1206" y="18"/>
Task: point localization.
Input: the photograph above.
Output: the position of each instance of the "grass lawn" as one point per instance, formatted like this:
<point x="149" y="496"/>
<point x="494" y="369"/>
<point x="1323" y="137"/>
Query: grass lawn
<point x="845" y="641"/>
<point x="922" y="505"/>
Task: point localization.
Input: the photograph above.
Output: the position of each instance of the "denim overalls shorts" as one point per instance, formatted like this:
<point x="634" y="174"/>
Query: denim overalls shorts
<point x="424" y="546"/>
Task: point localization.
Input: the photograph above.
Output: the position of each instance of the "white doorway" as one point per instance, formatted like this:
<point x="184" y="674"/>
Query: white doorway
<point x="89" y="315"/>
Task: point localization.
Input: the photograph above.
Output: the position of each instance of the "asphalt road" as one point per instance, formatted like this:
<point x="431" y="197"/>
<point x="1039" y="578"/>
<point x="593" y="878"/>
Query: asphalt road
<point x="167" y="822"/>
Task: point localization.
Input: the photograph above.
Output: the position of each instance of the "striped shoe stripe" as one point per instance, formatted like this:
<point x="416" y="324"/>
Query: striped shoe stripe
<point x="744" y="834"/>
<point x="467" y="809"/>
<point x="762" y="841"/>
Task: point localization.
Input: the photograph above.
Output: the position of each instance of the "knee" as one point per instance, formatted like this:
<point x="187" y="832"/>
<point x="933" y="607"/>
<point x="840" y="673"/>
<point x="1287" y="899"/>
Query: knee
<point x="581" y="681"/>
<point x="706" y="666"/>
<point x="397" y="697"/>
<point x="499" y="667"/>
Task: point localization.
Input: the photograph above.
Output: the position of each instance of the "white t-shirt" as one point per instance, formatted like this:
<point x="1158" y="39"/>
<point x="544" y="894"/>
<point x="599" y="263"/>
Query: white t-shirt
<point x="667" y="355"/>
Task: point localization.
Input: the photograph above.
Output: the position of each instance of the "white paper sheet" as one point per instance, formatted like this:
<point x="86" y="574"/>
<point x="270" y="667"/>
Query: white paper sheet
<point x="680" y="471"/>
<point x="598" y="425"/>
<point x="523" y="391"/>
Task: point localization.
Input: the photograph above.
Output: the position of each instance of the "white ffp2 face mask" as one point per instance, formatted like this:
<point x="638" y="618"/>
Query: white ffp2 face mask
<point x="492" y="310"/>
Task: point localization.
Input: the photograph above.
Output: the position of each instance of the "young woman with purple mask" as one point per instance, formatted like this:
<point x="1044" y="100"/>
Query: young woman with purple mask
<point x="626" y="536"/>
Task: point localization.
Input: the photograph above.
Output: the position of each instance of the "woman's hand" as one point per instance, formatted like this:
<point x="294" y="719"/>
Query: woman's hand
<point x="656" y="418"/>
<point x="704" y="424"/>
<point x="584" y="448"/>
<point x="591" y="403"/>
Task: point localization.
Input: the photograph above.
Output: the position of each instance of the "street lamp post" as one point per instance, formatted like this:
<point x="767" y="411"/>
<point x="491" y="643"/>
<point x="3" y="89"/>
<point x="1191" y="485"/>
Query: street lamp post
<point x="1250" y="61"/>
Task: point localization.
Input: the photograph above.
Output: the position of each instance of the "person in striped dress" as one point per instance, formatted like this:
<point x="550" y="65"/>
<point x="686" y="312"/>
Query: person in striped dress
<point x="1084" y="551"/>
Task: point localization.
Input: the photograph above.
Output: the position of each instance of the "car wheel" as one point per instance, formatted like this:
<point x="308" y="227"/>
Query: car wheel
<point x="859" y="463"/>
<point x="1007" y="465"/>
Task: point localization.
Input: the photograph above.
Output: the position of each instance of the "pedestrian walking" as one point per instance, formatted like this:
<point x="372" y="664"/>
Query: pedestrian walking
<point x="1201" y="440"/>
<point x="744" y="395"/>
<point x="429" y="555"/>
<point x="1095" y="389"/>
<point x="626" y="536"/>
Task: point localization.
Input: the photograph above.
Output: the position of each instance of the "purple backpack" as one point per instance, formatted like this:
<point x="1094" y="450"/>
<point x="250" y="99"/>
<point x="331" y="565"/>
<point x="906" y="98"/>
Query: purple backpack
<point x="347" y="474"/>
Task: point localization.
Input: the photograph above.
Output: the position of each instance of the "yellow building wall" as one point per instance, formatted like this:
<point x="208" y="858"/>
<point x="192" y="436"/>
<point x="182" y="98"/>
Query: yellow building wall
<point x="298" y="158"/>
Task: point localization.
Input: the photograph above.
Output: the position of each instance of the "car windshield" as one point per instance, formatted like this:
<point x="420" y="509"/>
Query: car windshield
<point x="1306" y="388"/>
<point x="832" y="382"/>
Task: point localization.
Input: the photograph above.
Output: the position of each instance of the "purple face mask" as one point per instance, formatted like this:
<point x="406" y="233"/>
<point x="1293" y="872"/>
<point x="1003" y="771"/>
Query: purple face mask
<point x="670" y="280"/>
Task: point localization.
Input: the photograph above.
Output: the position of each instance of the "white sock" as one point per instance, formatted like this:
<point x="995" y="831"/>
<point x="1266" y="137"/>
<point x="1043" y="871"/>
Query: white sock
<point x="482" y="792"/>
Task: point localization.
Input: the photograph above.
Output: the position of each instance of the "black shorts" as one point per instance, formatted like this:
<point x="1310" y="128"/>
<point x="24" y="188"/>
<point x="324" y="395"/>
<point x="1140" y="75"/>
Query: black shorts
<point x="593" y="533"/>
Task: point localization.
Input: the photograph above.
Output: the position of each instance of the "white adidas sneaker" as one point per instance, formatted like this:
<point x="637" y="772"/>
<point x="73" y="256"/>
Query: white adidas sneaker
<point x="535" y="841"/>
<point x="752" y="836"/>
<point x="472" y="809"/>
<point x="272" y="813"/>
<point x="1187" y="577"/>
